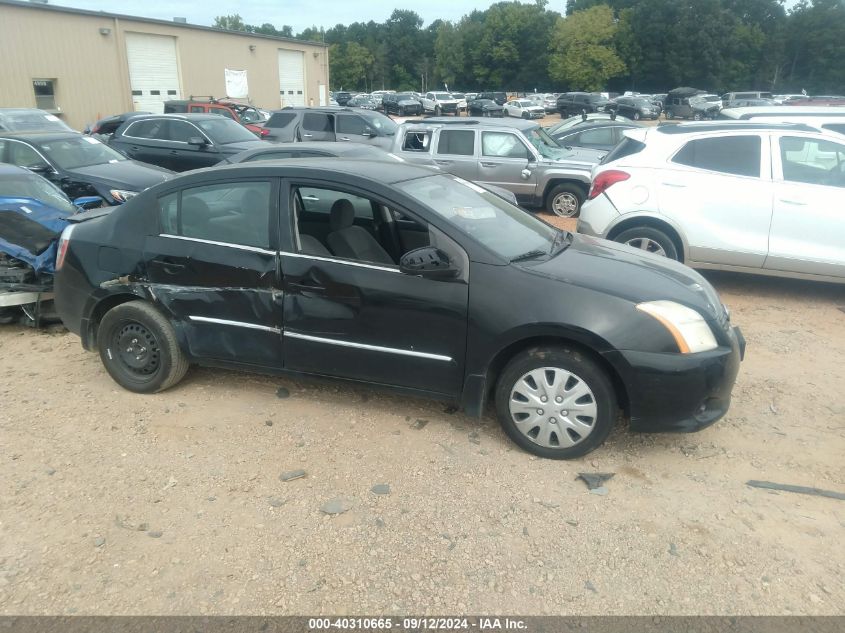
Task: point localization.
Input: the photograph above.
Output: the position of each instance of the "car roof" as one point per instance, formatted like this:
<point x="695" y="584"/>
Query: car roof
<point x="339" y="149"/>
<point x="381" y="171"/>
<point x="594" y="123"/>
<point x="39" y="137"/>
<point x="730" y="126"/>
<point x="184" y="116"/>
<point x="775" y="110"/>
<point x="519" y="124"/>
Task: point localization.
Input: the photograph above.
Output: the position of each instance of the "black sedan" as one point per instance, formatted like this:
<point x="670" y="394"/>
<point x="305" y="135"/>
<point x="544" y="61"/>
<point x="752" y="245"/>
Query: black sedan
<point x="485" y="108"/>
<point x="597" y="134"/>
<point x="402" y="104"/>
<point x="182" y="141"/>
<point x="390" y="274"/>
<point x="80" y="165"/>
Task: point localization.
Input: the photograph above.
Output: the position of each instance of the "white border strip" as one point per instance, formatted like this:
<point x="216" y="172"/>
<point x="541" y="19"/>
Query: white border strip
<point x="338" y="261"/>
<point x="251" y="326"/>
<point x="242" y="247"/>
<point x="372" y="348"/>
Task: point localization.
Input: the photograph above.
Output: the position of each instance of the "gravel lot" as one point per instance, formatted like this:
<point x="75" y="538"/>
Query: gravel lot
<point x="116" y="503"/>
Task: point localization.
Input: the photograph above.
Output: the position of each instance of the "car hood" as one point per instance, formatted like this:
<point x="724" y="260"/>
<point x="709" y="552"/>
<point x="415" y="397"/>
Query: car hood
<point x="491" y="106"/>
<point x="240" y="146"/>
<point x="131" y="175"/>
<point x="628" y="273"/>
<point x="583" y="157"/>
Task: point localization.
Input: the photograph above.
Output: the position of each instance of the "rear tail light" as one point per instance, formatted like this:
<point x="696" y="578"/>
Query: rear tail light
<point x="64" y="242"/>
<point x="606" y="179"/>
<point x="264" y="132"/>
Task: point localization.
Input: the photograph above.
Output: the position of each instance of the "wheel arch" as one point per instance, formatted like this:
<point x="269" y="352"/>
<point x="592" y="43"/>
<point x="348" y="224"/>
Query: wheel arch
<point x="98" y="311"/>
<point x="562" y="339"/>
<point x="655" y="223"/>
<point x="554" y="181"/>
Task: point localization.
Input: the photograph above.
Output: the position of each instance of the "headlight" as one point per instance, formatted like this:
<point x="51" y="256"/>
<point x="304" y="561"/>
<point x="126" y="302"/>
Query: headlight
<point x="687" y="327"/>
<point x="121" y="195"/>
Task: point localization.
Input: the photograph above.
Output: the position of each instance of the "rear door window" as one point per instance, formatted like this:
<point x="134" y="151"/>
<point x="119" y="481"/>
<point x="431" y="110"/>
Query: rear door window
<point x="317" y="122"/>
<point x="812" y="161"/>
<point x="456" y="142"/>
<point x="502" y="145"/>
<point x="737" y="155"/>
<point x="280" y="119"/>
<point x="350" y="124"/>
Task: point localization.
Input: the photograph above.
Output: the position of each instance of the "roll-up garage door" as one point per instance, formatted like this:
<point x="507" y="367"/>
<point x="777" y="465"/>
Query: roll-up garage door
<point x="291" y="77"/>
<point x="153" y="70"/>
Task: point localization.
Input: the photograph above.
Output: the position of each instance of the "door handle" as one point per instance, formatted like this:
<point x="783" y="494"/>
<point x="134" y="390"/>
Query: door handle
<point x="307" y="135"/>
<point x="174" y="152"/>
<point x="343" y="138"/>
<point x="171" y="268"/>
<point x="489" y="164"/>
<point x="311" y="198"/>
<point x="134" y="148"/>
<point x="794" y="203"/>
<point x="675" y="185"/>
<point x="443" y="162"/>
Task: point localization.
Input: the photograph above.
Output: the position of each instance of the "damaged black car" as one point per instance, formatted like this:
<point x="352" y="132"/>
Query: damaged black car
<point x="392" y="275"/>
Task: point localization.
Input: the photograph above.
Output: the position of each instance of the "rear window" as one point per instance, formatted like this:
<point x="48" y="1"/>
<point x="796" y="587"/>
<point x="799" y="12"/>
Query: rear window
<point x="456" y="142"/>
<point x="626" y="147"/>
<point x="280" y="119"/>
<point x="737" y="155"/>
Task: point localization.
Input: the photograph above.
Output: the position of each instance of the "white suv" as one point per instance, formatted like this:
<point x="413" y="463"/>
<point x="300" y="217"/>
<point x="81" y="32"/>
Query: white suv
<point x="438" y="103"/>
<point x="757" y="197"/>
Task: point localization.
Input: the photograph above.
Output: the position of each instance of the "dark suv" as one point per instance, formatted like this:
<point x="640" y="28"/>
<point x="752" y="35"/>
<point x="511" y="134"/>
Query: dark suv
<point x="570" y="103"/>
<point x="401" y="104"/>
<point x="182" y="141"/>
<point x="330" y="123"/>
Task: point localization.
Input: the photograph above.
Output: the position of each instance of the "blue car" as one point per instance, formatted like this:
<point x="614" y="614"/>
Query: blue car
<point x="33" y="214"/>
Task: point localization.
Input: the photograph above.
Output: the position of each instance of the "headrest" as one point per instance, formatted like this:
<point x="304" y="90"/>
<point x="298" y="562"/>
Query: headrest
<point x="342" y="215"/>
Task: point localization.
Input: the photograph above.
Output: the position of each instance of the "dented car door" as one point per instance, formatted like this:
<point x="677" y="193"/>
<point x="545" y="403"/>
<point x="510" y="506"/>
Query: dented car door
<point x="213" y="268"/>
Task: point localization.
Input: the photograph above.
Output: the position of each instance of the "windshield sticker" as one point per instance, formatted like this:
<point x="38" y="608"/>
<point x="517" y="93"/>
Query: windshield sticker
<point x="91" y="140"/>
<point x="50" y="117"/>
<point x="475" y="213"/>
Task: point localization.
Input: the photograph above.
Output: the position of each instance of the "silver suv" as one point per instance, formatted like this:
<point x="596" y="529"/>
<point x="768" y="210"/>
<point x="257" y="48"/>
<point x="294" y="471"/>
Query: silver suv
<point x="516" y="155"/>
<point x="752" y="197"/>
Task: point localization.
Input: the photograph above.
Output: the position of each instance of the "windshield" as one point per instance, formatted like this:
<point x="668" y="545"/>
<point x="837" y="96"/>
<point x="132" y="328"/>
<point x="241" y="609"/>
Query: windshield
<point x="32" y="186"/>
<point x="223" y="131"/>
<point x="442" y="95"/>
<point x="382" y="124"/>
<point x="503" y="228"/>
<point x="79" y="151"/>
<point x="545" y="144"/>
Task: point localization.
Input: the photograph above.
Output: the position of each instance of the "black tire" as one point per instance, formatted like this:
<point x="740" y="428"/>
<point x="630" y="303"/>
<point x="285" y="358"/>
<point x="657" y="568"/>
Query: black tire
<point x="586" y="371"/>
<point x="654" y="236"/>
<point x="573" y="199"/>
<point x="156" y="361"/>
<point x="696" y="116"/>
<point x="525" y="115"/>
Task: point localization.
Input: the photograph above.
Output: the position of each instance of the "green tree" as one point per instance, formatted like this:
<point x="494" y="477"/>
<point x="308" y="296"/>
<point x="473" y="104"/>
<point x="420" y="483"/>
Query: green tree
<point x="583" y="56"/>
<point x="229" y="22"/>
<point x="350" y="65"/>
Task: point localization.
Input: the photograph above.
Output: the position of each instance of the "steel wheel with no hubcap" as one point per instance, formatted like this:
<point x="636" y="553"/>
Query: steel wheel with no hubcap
<point x="137" y="349"/>
<point x="646" y="244"/>
<point x="553" y="407"/>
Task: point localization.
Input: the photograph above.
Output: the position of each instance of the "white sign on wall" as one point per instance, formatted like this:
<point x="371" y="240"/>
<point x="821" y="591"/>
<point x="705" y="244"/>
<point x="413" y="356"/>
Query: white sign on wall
<point x="236" y="84"/>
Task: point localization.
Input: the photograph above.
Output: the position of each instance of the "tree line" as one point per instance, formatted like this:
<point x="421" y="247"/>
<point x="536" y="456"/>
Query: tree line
<point x="617" y="45"/>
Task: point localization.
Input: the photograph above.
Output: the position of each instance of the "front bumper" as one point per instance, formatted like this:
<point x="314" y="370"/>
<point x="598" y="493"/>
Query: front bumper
<point x="679" y="393"/>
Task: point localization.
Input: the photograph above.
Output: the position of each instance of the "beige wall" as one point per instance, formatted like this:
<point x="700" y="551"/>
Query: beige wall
<point x="91" y="70"/>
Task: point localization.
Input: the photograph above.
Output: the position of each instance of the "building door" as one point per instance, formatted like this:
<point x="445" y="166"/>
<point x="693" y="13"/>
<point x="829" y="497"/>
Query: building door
<point x="291" y="77"/>
<point x="153" y="70"/>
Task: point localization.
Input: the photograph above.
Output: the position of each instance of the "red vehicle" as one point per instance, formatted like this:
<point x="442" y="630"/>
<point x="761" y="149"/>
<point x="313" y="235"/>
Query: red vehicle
<point x="248" y="116"/>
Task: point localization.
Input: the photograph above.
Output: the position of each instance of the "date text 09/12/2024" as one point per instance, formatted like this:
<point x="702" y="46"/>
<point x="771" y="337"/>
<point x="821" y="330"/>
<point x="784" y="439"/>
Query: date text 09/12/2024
<point x="416" y="624"/>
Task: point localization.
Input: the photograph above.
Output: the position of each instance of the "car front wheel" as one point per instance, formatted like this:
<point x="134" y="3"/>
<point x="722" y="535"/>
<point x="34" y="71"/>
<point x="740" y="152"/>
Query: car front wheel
<point x="555" y="402"/>
<point x="139" y="348"/>
<point x="565" y="201"/>
<point x="650" y="240"/>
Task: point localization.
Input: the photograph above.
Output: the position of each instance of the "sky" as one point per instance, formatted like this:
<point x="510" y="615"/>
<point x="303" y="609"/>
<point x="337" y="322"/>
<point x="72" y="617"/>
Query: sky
<point x="300" y="14"/>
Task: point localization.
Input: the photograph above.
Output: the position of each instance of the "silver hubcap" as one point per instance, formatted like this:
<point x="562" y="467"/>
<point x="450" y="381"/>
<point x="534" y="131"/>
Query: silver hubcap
<point x="646" y="244"/>
<point x="565" y="204"/>
<point x="553" y="407"/>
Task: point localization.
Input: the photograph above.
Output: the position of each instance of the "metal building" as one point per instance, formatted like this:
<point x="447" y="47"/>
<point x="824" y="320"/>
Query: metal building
<point x="81" y="65"/>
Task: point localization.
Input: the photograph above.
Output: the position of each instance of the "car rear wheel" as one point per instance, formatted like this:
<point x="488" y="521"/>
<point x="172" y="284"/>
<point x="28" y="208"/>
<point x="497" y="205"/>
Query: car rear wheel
<point x="650" y="240"/>
<point x="565" y="201"/>
<point x="555" y="402"/>
<point x="139" y="349"/>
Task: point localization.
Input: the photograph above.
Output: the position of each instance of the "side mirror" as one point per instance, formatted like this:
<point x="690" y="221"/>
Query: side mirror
<point x="42" y="168"/>
<point x="88" y="202"/>
<point x="199" y="141"/>
<point x="369" y="132"/>
<point x="429" y="262"/>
